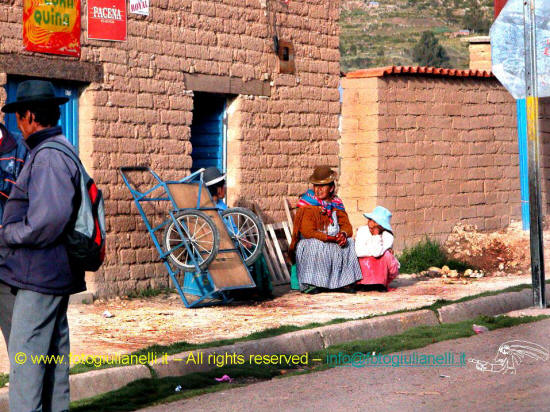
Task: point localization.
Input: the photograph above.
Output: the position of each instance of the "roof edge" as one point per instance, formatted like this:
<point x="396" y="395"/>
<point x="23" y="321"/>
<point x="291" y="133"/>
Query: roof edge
<point x="416" y="70"/>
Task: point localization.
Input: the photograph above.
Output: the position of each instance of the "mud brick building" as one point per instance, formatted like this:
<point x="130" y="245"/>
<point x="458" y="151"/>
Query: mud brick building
<point x="195" y="83"/>
<point x="435" y="146"/>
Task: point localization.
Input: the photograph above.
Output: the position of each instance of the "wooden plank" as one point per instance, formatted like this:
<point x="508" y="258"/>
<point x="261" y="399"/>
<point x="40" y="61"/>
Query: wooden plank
<point x="279" y="253"/>
<point x="270" y="268"/>
<point x="226" y="84"/>
<point x="289" y="218"/>
<point x="279" y="277"/>
<point x="287" y="233"/>
<point x="277" y="226"/>
<point x="275" y="279"/>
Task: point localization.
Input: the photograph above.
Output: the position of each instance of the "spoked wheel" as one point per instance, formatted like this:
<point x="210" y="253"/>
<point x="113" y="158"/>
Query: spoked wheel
<point x="247" y="231"/>
<point x="199" y="233"/>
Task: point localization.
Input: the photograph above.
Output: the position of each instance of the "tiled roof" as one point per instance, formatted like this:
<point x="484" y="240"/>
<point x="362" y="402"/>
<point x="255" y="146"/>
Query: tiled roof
<point x="418" y="70"/>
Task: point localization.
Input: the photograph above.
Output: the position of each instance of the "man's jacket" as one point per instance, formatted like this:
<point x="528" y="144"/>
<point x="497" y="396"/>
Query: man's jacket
<point x="37" y="213"/>
<point x="12" y="158"/>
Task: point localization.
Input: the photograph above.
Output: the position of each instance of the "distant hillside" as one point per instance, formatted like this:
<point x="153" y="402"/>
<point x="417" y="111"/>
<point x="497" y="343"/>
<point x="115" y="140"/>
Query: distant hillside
<point x="384" y="32"/>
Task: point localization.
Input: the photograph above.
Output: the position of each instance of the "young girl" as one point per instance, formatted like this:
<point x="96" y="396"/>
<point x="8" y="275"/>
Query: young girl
<point x="373" y="246"/>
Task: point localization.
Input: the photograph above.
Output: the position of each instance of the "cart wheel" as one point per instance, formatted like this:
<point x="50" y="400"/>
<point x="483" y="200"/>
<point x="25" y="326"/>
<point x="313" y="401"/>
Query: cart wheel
<point x="199" y="233"/>
<point x="247" y="229"/>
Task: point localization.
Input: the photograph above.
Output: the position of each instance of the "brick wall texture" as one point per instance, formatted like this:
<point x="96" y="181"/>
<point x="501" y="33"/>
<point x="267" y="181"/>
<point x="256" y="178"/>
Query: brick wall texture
<point x="480" y="56"/>
<point x="141" y="111"/>
<point x="447" y="152"/>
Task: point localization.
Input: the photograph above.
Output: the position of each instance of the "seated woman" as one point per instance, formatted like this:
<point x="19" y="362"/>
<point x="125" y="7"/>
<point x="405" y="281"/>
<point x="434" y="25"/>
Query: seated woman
<point x="324" y="255"/>
<point x="374" y="248"/>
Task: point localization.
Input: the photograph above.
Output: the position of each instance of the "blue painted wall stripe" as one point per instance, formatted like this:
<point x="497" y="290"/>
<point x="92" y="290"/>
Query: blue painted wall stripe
<point x="523" y="162"/>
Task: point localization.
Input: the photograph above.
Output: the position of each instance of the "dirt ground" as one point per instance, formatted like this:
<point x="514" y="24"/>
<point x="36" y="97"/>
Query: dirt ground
<point x="138" y="323"/>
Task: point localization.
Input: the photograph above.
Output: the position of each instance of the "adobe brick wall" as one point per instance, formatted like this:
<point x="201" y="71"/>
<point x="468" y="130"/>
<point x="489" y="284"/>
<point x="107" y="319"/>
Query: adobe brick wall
<point x="140" y="111"/>
<point x="480" y="53"/>
<point x="447" y="152"/>
<point x="359" y="148"/>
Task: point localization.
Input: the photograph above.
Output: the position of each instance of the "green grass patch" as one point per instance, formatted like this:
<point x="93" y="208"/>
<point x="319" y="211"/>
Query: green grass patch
<point x="422" y="336"/>
<point x="146" y="392"/>
<point x="4" y="378"/>
<point x="425" y="254"/>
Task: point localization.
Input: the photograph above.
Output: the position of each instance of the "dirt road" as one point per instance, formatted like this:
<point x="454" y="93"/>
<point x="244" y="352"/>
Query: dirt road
<point x="437" y="388"/>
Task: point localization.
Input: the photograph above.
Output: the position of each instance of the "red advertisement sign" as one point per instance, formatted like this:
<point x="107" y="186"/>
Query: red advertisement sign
<point x="52" y="26"/>
<point x="107" y="20"/>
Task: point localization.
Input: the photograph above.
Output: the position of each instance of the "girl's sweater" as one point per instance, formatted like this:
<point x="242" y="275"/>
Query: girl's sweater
<point x="367" y="244"/>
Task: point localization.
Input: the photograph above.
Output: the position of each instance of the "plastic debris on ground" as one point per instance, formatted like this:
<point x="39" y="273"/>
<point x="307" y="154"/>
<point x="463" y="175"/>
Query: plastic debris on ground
<point x="108" y="314"/>
<point x="178" y="388"/>
<point x="224" y="378"/>
<point x="479" y="329"/>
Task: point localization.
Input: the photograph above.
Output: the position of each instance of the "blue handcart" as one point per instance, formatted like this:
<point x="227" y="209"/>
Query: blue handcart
<point x="206" y="251"/>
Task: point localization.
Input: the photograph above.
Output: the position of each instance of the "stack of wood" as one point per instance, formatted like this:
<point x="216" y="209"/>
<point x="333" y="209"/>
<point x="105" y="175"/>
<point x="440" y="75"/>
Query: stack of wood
<point x="277" y="242"/>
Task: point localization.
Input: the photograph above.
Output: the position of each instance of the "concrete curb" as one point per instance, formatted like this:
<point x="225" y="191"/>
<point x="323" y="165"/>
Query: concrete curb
<point x="86" y="385"/>
<point x="376" y="327"/>
<point x="94" y="383"/>
<point x="488" y="305"/>
<point x="299" y="342"/>
<point x="82" y="298"/>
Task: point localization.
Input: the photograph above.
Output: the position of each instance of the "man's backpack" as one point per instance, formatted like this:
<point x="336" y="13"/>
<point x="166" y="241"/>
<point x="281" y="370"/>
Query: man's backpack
<point x="85" y="238"/>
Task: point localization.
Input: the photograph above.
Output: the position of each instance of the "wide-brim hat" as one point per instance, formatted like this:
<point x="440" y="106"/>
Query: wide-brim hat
<point x="212" y="175"/>
<point x="32" y="92"/>
<point x="322" y="175"/>
<point x="382" y="216"/>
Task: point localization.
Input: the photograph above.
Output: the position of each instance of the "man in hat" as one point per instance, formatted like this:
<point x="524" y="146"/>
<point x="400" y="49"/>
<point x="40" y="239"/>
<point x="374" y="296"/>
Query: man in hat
<point x="35" y="264"/>
<point x="214" y="180"/>
<point x="12" y="157"/>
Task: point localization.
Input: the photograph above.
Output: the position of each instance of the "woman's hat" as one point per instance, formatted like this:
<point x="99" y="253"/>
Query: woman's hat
<point x="322" y="175"/>
<point x="382" y="216"/>
<point x="212" y="175"/>
<point x="34" y="92"/>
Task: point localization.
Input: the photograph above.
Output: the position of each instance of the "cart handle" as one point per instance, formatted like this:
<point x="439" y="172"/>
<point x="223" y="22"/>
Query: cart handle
<point x="139" y="169"/>
<point x="124" y="169"/>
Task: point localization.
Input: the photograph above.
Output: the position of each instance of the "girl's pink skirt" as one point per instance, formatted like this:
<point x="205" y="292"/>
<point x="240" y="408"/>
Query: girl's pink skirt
<point x="378" y="271"/>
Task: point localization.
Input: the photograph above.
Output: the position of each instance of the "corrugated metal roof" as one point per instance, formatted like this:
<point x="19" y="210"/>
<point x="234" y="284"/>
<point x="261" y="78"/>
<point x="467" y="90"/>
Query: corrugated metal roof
<point x="421" y="70"/>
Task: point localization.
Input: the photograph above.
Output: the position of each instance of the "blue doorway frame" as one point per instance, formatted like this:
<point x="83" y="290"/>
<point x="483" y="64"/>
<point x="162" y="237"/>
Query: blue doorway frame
<point x="69" y="111"/>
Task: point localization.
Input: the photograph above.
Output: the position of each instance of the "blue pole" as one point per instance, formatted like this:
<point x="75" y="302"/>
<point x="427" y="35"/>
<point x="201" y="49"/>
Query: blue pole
<point x="523" y="168"/>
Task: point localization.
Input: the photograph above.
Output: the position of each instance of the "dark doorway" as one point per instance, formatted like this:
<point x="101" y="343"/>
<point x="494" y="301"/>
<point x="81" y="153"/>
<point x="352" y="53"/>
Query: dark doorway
<point x="208" y="131"/>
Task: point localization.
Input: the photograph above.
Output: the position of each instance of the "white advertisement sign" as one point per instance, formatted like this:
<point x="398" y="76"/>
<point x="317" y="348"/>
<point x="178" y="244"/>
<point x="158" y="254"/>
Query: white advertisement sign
<point x="139" y="7"/>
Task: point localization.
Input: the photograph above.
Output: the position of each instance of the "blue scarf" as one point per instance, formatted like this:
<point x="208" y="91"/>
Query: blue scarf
<point x="309" y="199"/>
